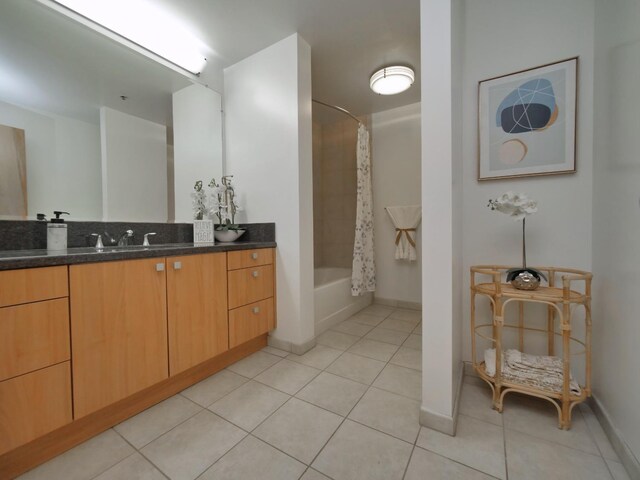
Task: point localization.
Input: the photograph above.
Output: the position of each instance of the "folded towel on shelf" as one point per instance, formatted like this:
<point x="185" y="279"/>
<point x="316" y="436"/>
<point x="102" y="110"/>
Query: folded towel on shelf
<point x="406" y="219"/>
<point x="538" y="371"/>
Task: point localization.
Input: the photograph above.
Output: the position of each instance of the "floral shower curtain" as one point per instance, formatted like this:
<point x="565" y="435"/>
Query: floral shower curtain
<point x="363" y="275"/>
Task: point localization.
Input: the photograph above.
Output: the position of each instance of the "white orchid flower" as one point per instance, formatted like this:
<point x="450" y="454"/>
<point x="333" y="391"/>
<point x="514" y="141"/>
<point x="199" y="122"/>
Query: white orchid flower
<point x="516" y="205"/>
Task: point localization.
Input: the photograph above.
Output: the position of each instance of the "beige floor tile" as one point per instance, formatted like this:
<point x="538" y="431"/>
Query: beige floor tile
<point x="338" y="340"/>
<point x="617" y="470"/>
<point x="398" y="325"/>
<point x="413" y="341"/>
<point x="364" y="319"/>
<point x="275" y="351"/>
<point x="407" y="315"/>
<point x="287" y="376"/>
<point x="537" y="417"/>
<point x="355" y="367"/>
<point x="377" y="310"/>
<point x="418" y="330"/>
<point x="319" y="356"/>
<point x="475" y="380"/>
<point x="531" y="458"/>
<point x="312" y="474"/>
<point x="248" y="405"/>
<point x="189" y="449"/>
<point x="476" y="401"/>
<point x="214" y="388"/>
<point x="352" y="328"/>
<point x="373" y="349"/>
<point x="333" y="393"/>
<point x="153" y="422"/>
<point x="84" y="461"/>
<point x="477" y="444"/>
<point x="400" y="380"/>
<point x="253" y="459"/>
<point x="134" y="467"/>
<point x="389" y="413"/>
<point x="408" y="357"/>
<point x="299" y="429"/>
<point x="600" y="437"/>
<point x="388" y="336"/>
<point x="254" y="364"/>
<point x="427" y="465"/>
<point x="356" y="452"/>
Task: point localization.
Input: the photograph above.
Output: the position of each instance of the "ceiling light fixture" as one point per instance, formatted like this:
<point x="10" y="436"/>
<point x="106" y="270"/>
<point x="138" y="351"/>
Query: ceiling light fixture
<point x="139" y="23"/>
<point x="392" y="80"/>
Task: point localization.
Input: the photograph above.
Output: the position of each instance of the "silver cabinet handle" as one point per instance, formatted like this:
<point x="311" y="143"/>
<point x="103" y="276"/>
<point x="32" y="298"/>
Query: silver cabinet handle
<point x="159" y="267"/>
<point x="177" y="265"/>
<point x="256" y="310"/>
<point x="254" y="255"/>
<point x="255" y="274"/>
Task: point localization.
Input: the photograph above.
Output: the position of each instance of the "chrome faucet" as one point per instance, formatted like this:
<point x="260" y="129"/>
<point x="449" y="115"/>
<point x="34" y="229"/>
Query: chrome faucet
<point x="123" y="241"/>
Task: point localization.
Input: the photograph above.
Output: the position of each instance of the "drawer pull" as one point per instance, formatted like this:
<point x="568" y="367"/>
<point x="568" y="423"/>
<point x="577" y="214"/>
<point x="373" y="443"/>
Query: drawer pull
<point x="255" y="274"/>
<point x="254" y="255"/>
<point x="177" y="265"/>
<point x="159" y="267"/>
<point x="256" y="310"/>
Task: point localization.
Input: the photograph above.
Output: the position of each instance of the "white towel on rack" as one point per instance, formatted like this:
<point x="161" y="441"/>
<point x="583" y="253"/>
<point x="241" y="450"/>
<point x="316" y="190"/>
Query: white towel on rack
<point x="406" y="219"/>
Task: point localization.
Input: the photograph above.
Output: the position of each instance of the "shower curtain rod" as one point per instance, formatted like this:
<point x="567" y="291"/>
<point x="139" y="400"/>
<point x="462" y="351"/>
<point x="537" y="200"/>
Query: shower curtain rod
<point x="340" y="109"/>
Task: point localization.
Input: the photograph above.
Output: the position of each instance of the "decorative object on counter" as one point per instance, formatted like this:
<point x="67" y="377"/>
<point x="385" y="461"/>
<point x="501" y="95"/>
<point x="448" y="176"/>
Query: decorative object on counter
<point x="518" y="206"/>
<point x="225" y="208"/>
<point x="202" y="227"/>
<point x="527" y="122"/>
<point x="13" y="172"/>
<point x="406" y="220"/>
<point x="57" y="232"/>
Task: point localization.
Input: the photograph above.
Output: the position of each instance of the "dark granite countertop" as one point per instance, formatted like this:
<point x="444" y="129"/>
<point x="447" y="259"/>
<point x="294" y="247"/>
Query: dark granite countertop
<point x="14" y="259"/>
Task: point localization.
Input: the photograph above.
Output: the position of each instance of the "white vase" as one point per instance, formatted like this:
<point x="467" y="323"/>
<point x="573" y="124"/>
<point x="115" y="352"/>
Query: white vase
<point x="203" y="231"/>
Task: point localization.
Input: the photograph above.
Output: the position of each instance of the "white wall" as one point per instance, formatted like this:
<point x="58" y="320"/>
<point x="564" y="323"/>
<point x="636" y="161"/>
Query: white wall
<point x="269" y="151"/>
<point x="63" y="162"/>
<point x="616" y="218"/>
<point x="560" y="233"/>
<point x="395" y="138"/>
<point x="134" y="168"/>
<point x="197" y="141"/>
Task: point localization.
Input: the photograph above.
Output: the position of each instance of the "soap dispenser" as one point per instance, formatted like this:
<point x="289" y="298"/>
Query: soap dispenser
<point x="57" y="232"/>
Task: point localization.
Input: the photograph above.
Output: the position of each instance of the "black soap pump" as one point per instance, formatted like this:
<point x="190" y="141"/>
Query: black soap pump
<point x="57" y="232"/>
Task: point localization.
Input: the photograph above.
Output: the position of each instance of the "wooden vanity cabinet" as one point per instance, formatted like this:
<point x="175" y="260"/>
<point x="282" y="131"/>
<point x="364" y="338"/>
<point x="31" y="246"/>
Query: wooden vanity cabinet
<point x="197" y="309"/>
<point x="118" y="330"/>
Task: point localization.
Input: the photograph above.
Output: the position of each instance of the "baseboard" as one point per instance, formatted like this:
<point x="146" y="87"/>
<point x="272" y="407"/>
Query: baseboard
<point x="297" y="348"/>
<point x="618" y="442"/>
<point x="341" y="315"/>
<point x="390" y="302"/>
<point x="444" y="423"/>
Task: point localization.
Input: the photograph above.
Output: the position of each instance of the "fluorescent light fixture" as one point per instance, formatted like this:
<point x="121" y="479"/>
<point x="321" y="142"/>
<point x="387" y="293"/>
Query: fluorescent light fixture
<point x="392" y="80"/>
<point x="146" y="24"/>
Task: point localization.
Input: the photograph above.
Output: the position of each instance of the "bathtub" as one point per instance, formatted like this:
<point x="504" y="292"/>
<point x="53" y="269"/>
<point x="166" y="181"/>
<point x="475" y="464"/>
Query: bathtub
<point x="332" y="297"/>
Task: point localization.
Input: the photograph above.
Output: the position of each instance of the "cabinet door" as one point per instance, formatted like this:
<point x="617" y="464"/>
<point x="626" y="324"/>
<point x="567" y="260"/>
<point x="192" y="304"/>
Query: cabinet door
<point x="118" y="330"/>
<point x="197" y="308"/>
<point x="250" y="321"/>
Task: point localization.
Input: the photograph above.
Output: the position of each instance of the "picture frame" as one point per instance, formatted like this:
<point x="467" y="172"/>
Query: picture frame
<point x="527" y="122"/>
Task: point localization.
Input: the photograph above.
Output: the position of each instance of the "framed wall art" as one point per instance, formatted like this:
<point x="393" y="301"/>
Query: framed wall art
<point x="527" y="122"/>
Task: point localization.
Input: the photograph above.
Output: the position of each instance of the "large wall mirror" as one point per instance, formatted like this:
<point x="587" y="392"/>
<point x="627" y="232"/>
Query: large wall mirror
<point x="91" y="127"/>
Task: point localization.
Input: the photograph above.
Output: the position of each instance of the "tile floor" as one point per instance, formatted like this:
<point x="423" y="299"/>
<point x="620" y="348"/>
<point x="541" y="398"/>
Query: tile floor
<point x="346" y="410"/>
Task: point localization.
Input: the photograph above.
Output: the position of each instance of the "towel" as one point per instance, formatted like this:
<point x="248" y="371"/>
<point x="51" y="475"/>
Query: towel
<point x="538" y="371"/>
<point x="406" y="219"/>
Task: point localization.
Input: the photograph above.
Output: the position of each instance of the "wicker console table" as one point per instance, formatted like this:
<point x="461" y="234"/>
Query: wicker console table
<point x="574" y="290"/>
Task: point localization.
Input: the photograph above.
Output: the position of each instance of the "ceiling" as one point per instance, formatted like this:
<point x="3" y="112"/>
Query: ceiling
<point x="48" y="62"/>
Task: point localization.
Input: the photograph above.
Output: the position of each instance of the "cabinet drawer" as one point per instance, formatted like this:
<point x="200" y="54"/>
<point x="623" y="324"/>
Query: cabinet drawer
<point x="33" y="336"/>
<point x="33" y="285"/>
<point x="34" y="404"/>
<point x="249" y="285"/>
<point x="249" y="258"/>
<point x="250" y="321"/>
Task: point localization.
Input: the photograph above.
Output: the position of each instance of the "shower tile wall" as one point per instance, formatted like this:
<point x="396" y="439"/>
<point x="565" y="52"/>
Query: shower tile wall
<point x="334" y="183"/>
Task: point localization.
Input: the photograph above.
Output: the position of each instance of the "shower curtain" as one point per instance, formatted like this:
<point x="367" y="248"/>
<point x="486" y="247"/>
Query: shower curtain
<point x="363" y="276"/>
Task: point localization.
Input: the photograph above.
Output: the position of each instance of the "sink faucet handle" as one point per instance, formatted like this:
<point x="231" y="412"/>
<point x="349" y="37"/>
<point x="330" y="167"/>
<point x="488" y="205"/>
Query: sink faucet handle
<point x="146" y="243"/>
<point x="99" y="243"/>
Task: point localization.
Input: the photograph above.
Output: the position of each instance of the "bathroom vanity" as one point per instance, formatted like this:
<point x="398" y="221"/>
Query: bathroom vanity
<point x="90" y="339"/>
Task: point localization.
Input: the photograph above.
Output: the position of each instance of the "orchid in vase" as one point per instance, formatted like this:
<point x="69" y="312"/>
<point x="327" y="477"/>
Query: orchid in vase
<point x="519" y="206"/>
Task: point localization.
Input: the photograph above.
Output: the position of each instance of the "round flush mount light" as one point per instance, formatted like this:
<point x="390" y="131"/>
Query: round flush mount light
<point x="392" y="80"/>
